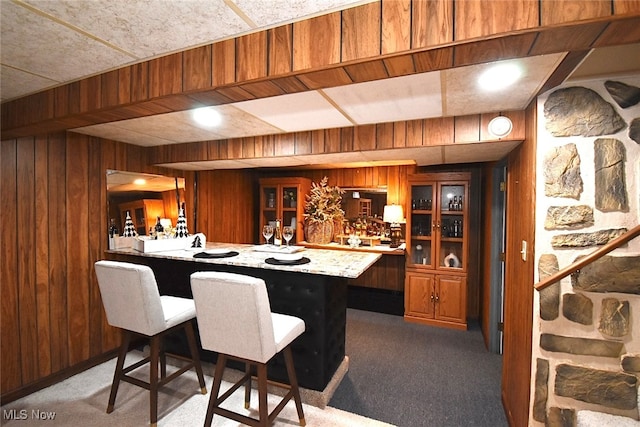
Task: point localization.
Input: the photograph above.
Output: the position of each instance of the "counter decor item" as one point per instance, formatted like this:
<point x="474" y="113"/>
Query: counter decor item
<point x="321" y="210"/>
<point x="129" y="228"/>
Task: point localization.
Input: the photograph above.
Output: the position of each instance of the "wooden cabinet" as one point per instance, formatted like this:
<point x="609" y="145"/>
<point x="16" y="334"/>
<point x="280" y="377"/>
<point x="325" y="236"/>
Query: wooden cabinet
<point x="437" y="249"/>
<point x="284" y="198"/>
<point x="144" y="213"/>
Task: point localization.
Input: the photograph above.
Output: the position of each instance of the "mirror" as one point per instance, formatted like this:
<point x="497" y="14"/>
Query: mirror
<point x="146" y="197"/>
<point x="363" y="202"/>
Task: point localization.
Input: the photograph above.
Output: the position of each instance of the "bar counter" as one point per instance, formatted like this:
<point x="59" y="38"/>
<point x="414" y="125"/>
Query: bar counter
<point x="316" y="292"/>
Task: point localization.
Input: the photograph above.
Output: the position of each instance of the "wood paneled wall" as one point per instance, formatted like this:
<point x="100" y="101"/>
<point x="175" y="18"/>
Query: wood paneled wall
<point x="383" y="39"/>
<point x="53" y="193"/>
<point x="518" y="292"/>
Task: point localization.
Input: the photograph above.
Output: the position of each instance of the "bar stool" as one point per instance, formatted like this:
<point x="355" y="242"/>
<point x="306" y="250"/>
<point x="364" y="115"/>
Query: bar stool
<point x="133" y="303"/>
<point x="235" y="320"/>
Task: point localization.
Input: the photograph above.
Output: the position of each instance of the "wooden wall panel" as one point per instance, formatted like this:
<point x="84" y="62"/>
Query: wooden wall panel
<point x="224" y="62"/>
<point x="110" y="89"/>
<point x="41" y="248"/>
<point x="77" y="218"/>
<point x="626" y="6"/>
<point x="432" y="23"/>
<point x="26" y="261"/>
<point x="518" y="293"/>
<point x="165" y="75"/>
<point x="10" y="368"/>
<point x="251" y="56"/>
<point x="316" y="42"/>
<point x="140" y="82"/>
<point x="396" y="26"/>
<point x="485" y="17"/>
<point x="560" y="11"/>
<point x="280" y="50"/>
<point x="97" y="240"/>
<point x="197" y="68"/>
<point x="361" y="32"/>
<point x="57" y="235"/>
<point x="90" y="94"/>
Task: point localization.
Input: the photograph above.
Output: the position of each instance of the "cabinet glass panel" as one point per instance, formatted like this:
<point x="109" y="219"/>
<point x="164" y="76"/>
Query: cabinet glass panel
<point x="269" y="211"/>
<point x="289" y="197"/>
<point x="421" y="225"/>
<point x="451" y="226"/>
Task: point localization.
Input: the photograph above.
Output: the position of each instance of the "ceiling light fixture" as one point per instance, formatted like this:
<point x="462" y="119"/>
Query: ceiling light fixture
<point x="139" y="181"/>
<point x="207" y="116"/>
<point x="500" y="126"/>
<point x="499" y="76"/>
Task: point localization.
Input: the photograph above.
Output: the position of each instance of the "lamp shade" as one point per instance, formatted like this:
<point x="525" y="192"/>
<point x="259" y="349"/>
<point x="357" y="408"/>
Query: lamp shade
<point x="393" y="214"/>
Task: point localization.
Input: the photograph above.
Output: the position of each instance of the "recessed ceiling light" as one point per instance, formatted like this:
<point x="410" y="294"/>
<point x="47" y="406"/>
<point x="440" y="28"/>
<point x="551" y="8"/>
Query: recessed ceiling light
<point x="140" y="181"/>
<point x="500" y="126"/>
<point x="207" y="116"/>
<point x="500" y="76"/>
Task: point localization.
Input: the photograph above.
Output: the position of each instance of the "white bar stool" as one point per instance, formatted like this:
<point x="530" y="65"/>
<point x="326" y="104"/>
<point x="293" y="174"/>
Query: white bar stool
<point x="133" y="303"/>
<point x="235" y="320"/>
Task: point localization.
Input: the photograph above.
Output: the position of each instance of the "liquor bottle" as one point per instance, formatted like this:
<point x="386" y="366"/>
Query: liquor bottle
<point x="113" y="233"/>
<point x="456" y="228"/>
<point x="277" y="233"/>
<point x="159" y="229"/>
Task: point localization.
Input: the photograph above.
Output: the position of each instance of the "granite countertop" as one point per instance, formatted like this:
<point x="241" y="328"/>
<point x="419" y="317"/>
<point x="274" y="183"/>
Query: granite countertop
<point x="322" y="261"/>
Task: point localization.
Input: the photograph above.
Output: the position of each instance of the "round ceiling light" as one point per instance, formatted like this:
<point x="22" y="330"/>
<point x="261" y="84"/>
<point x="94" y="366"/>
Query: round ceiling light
<point x="499" y="76"/>
<point x="500" y="126"/>
<point x="207" y="116"/>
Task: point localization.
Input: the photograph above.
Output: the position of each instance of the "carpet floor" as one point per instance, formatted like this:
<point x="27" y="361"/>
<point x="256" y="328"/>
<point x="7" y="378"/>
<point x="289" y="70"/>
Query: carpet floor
<point x="82" y="401"/>
<point x="416" y="375"/>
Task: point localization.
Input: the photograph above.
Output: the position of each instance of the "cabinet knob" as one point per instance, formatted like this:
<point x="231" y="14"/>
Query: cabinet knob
<point x="437" y="298"/>
<point x="432" y="298"/>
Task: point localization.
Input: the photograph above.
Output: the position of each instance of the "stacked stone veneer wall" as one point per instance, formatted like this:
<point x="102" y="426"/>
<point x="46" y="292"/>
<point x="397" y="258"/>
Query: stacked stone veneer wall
<point x="586" y="343"/>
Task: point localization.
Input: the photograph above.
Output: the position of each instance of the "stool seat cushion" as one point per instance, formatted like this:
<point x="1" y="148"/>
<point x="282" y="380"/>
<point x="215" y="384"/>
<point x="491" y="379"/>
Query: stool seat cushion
<point x="285" y="329"/>
<point x="177" y="310"/>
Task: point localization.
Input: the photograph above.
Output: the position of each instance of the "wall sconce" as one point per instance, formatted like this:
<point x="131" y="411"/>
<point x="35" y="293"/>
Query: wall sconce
<point x="394" y="215"/>
<point x="500" y="126"/>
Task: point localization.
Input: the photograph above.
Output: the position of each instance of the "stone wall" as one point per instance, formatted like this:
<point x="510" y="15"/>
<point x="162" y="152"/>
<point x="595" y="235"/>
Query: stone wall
<point x="586" y="343"/>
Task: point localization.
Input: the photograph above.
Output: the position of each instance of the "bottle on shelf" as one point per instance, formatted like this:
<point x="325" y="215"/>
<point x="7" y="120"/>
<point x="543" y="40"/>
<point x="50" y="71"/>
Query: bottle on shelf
<point x="158" y="229"/>
<point x="113" y="233"/>
<point x="277" y="233"/>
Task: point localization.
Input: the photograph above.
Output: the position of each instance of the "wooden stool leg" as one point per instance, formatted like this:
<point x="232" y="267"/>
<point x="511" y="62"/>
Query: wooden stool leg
<point x="263" y="410"/>
<point x="195" y="356"/>
<point x="247" y="386"/>
<point x="124" y="349"/>
<point x="215" y="389"/>
<point x="153" y="379"/>
<point x="163" y="360"/>
<point x="293" y="381"/>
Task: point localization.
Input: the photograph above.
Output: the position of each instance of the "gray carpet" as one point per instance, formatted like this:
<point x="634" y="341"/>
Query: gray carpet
<point x="416" y="375"/>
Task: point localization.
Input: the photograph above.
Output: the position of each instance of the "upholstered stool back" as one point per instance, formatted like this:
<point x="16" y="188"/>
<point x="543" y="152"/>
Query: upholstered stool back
<point x="237" y="313"/>
<point x="130" y="296"/>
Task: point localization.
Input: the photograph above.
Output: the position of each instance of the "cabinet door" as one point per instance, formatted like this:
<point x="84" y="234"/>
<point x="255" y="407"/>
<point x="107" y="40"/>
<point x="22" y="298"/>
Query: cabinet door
<point x="451" y="226"/>
<point x="419" y="295"/>
<point x="420" y="244"/>
<point x="451" y="298"/>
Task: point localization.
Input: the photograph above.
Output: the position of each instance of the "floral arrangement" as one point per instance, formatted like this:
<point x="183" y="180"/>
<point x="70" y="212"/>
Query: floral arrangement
<point x="323" y="202"/>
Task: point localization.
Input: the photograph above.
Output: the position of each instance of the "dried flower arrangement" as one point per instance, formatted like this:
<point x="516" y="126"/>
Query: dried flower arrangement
<point x="323" y="202"/>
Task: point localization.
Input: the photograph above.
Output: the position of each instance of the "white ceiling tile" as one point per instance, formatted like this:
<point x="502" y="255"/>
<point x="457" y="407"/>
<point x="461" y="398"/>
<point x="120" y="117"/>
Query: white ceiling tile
<point x="113" y="132"/>
<point x="477" y="152"/>
<point x="401" y="98"/>
<point x="22" y="41"/>
<point x="296" y="112"/>
<point x="141" y="27"/>
<point x="463" y="95"/>
<point x="16" y="82"/>
<point x="270" y="12"/>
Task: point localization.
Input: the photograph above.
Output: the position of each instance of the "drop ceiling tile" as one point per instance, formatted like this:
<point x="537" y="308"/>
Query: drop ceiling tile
<point x="463" y="96"/>
<point x="477" y="152"/>
<point x="296" y="112"/>
<point x="269" y="12"/>
<point x="141" y="27"/>
<point x="401" y="98"/>
<point x="113" y="132"/>
<point x="15" y="83"/>
<point x="75" y="54"/>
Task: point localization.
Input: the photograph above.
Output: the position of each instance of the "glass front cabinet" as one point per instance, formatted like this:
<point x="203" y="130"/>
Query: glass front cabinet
<point x="437" y="249"/>
<point x="283" y="199"/>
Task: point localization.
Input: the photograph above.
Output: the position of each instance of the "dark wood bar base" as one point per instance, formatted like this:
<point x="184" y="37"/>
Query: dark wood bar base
<point x="321" y="301"/>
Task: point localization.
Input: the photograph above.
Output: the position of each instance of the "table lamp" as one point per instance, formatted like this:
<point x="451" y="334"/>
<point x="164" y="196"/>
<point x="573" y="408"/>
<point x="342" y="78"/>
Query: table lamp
<point x="394" y="215"/>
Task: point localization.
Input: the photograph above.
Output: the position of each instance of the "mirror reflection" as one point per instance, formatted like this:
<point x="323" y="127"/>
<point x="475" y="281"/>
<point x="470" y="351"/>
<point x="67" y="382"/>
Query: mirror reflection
<point x="146" y="197"/>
